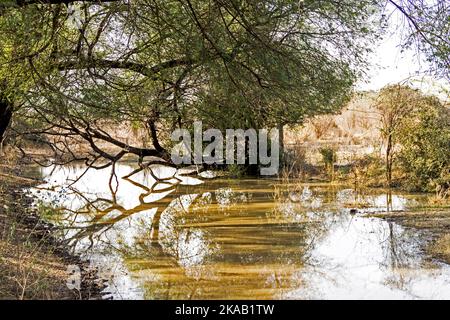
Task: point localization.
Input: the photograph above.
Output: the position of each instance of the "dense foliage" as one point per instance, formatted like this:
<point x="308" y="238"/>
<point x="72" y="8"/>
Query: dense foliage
<point x="425" y="147"/>
<point x="416" y="134"/>
<point x="69" y="67"/>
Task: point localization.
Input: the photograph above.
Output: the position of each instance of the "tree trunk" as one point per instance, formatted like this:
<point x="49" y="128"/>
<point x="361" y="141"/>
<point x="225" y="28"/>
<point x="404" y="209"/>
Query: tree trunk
<point x="155" y="141"/>
<point x="5" y="118"/>
<point x="389" y="161"/>
<point x="154" y="135"/>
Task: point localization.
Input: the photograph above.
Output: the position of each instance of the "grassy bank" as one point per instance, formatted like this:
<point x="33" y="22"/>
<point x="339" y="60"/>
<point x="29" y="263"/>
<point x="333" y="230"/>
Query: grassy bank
<point x="33" y="264"/>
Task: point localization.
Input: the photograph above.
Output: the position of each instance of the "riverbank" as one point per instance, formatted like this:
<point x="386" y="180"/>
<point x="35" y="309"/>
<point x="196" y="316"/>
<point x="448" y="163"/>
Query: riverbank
<point x="33" y="264"/>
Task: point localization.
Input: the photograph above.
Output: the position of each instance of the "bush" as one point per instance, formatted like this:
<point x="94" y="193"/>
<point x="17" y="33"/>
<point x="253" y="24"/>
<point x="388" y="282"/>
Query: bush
<point x="425" y="147"/>
<point x="368" y="171"/>
<point x="329" y="157"/>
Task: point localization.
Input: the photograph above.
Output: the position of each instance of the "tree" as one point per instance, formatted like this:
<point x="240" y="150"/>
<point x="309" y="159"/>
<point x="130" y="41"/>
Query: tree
<point x="161" y="64"/>
<point x="229" y="63"/>
<point x="394" y="103"/>
<point x="5" y="117"/>
<point x="25" y="35"/>
<point x="416" y="134"/>
<point x="427" y="29"/>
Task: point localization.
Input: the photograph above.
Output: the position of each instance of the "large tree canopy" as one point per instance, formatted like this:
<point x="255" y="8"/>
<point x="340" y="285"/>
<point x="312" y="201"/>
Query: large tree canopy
<point x="68" y="67"/>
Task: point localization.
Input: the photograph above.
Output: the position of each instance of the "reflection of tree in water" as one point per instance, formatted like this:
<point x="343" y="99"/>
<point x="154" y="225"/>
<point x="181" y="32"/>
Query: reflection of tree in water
<point x="185" y="239"/>
<point x="400" y="249"/>
<point x="309" y="207"/>
<point x="208" y="240"/>
<point x="95" y="217"/>
<point x="235" y="251"/>
<point x="399" y="246"/>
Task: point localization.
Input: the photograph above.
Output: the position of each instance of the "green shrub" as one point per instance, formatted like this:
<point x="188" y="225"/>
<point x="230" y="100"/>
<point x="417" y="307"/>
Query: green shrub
<point x="424" y="156"/>
<point x="329" y="157"/>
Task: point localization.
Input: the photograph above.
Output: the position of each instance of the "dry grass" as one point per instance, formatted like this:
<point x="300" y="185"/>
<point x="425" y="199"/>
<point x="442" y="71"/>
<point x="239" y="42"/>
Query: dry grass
<point x="353" y="133"/>
<point x="357" y="124"/>
<point x="29" y="266"/>
<point x="441" y="247"/>
<point x="28" y="270"/>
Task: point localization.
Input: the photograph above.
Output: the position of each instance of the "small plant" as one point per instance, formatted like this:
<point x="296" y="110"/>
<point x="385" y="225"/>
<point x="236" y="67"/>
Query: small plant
<point x="296" y="164"/>
<point x="236" y="171"/>
<point x="48" y="212"/>
<point x="329" y="158"/>
<point x="367" y="171"/>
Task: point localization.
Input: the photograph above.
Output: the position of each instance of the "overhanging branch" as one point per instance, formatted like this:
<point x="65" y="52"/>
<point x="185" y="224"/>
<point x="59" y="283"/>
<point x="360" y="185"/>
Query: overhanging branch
<point x="127" y="65"/>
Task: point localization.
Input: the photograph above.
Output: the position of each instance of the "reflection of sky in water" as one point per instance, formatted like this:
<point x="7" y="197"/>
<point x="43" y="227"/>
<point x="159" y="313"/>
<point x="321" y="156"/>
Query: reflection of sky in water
<point x="368" y="258"/>
<point x="376" y="203"/>
<point x="306" y="242"/>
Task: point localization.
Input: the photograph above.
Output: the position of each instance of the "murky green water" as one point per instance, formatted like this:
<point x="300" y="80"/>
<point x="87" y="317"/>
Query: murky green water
<point x="161" y="235"/>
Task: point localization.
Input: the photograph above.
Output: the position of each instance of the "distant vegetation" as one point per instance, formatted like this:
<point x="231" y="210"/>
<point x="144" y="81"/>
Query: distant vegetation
<point x="398" y="133"/>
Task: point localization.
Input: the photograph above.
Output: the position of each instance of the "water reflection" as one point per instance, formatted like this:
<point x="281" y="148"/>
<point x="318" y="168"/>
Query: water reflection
<point x="159" y="233"/>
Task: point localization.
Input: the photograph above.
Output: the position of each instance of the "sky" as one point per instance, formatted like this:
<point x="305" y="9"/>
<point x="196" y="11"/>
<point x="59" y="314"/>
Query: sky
<point x="390" y="65"/>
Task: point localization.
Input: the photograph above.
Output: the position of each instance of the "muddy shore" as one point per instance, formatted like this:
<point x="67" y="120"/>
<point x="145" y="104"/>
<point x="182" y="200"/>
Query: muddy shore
<point x="34" y="264"/>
